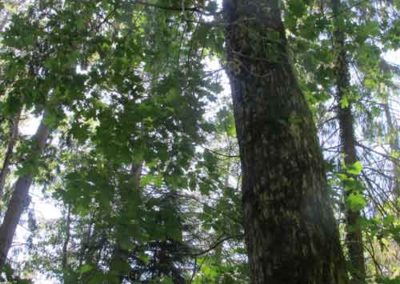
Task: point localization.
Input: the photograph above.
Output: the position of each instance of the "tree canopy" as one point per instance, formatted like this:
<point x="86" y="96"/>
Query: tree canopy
<point x="195" y="141"/>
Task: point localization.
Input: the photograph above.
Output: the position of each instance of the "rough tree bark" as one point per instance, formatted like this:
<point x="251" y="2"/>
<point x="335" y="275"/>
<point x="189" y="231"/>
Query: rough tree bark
<point x="9" y="152"/>
<point x="20" y="198"/>
<point x="354" y="240"/>
<point x="291" y="233"/>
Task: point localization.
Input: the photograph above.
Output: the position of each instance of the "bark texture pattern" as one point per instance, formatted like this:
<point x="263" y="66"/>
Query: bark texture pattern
<point x="354" y="240"/>
<point x="291" y="233"/>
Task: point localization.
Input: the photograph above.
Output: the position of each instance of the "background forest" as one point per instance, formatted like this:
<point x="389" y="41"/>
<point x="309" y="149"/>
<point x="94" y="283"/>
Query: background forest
<point x="118" y="152"/>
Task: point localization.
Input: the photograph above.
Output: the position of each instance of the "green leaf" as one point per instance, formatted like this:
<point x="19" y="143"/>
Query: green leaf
<point x="370" y="83"/>
<point x="85" y="268"/>
<point x="344" y="102"/>
<point x="297" y="7"/>
<point x="356" y="201"/>
<point x="98" y="277"/>
<point x="354" y="169"/>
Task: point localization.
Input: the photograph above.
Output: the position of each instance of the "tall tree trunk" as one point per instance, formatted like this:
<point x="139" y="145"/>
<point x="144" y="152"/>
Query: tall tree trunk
<point x="354" y="239"/>
<point x="291" y="233"/>
<point x="86" y="240"/>
<point x="9" y="152"/>
<point x="119" y="258"/>
<point x="66" y="241"/>
<point x="20" y="197"/>
<point x="394" y="148"/>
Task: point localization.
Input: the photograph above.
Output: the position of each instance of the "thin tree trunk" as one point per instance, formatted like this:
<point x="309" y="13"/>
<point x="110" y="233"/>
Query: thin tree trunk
<point x="66" y="241"/>
<point x="20" y="198"/>
<point x="10" y="149"/>
<point x="86" y="240"/>
<point x="354" y="240"/>
<point x="119" y="258"/>
<point x="291" y="233"/>
<point x="64" y="261"/>
<point x="394" y="148"/>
